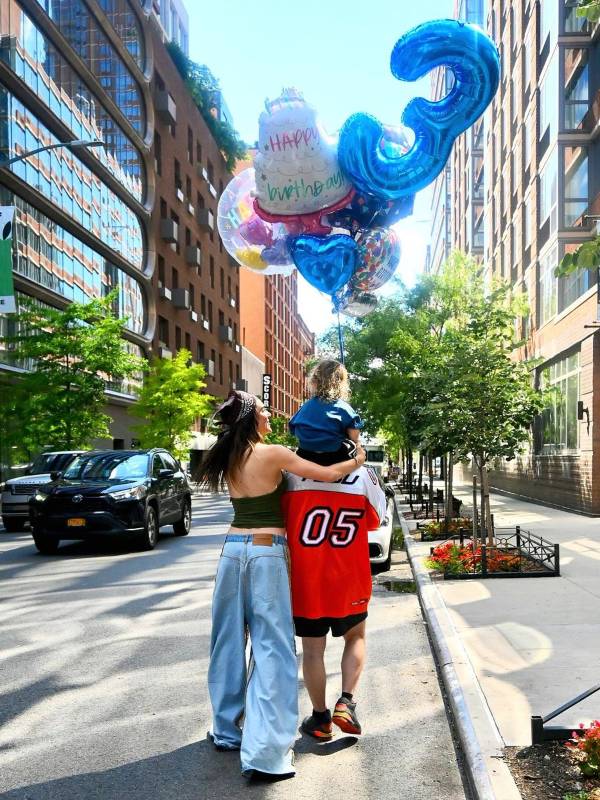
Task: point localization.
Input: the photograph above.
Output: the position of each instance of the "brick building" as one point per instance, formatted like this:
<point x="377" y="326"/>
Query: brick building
<point x="196" y="283"/>
<point x="542" y="179"/>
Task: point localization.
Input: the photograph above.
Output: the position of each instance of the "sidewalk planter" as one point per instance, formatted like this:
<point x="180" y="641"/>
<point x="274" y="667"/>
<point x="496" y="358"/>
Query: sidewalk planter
<point x="440" y="529"/>
<point x="515" y="554"/>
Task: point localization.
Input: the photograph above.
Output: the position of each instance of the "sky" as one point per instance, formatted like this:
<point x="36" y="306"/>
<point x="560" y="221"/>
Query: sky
<point x="337" y="54"/>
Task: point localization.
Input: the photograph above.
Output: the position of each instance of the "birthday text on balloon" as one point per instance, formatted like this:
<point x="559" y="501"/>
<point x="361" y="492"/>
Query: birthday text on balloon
<point x="294" y="139"/>
<point x="299" y="189"/>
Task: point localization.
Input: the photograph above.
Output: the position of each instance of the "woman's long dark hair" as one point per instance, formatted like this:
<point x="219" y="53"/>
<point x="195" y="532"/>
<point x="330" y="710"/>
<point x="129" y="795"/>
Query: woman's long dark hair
<point x="238" y="425"/>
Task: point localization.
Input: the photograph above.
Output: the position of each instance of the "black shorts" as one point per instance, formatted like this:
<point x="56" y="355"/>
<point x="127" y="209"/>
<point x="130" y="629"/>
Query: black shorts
<point x="315" y="628"/>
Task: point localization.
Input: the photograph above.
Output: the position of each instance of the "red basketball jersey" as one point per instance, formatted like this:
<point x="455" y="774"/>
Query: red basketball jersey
<point x="327" y="530"/>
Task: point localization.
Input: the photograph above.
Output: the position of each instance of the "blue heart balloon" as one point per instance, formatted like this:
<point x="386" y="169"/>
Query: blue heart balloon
<point x="327" y="263"/>
<point x="372" y="163"/>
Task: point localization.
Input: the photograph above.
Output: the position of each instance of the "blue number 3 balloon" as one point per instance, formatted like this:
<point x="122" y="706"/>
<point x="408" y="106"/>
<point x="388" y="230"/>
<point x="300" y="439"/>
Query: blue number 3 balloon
<point x="473" y="58"/>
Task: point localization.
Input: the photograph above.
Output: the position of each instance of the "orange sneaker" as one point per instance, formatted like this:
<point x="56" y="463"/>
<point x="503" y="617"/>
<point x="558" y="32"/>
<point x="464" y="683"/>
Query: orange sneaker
<point x="345" y="718"/>
<point x="323" y="731"/>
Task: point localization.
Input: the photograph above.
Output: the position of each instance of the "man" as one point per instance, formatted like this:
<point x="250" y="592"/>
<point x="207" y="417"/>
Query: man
<point x="327" y="529"/>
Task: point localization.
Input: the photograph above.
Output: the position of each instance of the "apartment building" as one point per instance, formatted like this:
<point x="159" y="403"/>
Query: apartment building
<point x="540" y="174"/>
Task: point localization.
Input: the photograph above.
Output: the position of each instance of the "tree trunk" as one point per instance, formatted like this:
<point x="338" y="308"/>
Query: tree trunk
<point x="430" y="467"/>
<point x="474" y="511"/>
<point x="410" y="473"/>
<point x="420" y="479"/>
<point x="485" y="503"/>
<point x="449" y="470"/>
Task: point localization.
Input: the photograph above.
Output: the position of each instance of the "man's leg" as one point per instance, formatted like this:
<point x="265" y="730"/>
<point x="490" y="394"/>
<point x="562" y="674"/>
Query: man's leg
<point x="353" y="658"/>
<point x="353" y="661"/>
<point x="313" y="669"/>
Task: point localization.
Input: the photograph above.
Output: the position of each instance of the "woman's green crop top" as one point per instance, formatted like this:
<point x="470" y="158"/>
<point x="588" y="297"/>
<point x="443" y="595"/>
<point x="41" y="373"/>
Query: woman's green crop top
<point x="263" y="511"/>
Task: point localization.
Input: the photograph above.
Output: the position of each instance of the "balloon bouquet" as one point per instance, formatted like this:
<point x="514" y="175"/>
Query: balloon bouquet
<point x="325" y="206"/>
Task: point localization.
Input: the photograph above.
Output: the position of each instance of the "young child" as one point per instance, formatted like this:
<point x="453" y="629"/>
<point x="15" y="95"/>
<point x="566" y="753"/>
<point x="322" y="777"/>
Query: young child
<point x="326" y="422"/>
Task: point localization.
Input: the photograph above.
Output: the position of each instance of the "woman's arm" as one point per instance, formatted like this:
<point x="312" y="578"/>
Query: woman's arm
<point x="286" y="460"/>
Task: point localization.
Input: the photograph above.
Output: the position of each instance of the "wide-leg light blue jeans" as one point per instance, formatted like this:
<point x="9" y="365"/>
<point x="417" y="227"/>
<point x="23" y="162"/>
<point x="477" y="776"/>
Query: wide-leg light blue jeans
<point x="252" y="593"/>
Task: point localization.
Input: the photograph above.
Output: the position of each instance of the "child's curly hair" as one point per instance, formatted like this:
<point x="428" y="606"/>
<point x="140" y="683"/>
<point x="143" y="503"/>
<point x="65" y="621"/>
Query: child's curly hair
<point x="329" y="380"/>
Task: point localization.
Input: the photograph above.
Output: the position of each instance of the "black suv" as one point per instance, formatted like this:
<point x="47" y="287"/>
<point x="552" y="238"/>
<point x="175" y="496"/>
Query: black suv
<point x="131" y="492"/>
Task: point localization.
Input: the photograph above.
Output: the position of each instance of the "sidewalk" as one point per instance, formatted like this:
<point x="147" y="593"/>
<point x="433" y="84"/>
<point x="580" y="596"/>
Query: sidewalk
<point x="532" y="644"/>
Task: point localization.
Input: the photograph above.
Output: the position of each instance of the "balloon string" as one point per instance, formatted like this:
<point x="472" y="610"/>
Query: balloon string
<point x="341" y="338"/>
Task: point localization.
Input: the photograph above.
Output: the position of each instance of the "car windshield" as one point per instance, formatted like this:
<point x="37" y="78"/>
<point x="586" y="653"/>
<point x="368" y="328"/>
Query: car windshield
<point x="47" y="462"/>
<point x="111" y="466"/>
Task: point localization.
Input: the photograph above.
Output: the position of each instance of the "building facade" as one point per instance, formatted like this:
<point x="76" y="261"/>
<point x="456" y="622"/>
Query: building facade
<point x="73" y="70"/>
<point x="541" y="184"/>
<point x="172" y="17"/>
<point x="440" y="238"/>
<point x="195" y="282"/>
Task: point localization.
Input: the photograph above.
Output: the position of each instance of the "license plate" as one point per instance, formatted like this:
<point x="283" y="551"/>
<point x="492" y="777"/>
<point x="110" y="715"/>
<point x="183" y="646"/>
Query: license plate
<point x="75" y="522"/>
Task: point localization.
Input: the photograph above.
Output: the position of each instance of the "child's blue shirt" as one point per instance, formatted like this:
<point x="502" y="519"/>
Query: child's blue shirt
<point x="321" y="425"/>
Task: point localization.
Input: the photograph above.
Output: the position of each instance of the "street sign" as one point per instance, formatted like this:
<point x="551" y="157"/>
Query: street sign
<point x="266" y="390"/>
<point x="7" y="291"/>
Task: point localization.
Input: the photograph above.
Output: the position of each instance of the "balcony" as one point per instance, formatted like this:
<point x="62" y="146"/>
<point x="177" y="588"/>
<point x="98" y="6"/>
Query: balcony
<point x="165" y="107"/>
<point x="164" y="293"/>
<point x="181" y="298"/>
<point x="206" y="220"/>
<point x="225" y="334"/>
<point x="168" y="230"/>
<point x="209" y="366"/>
<point x="193" y="256"/>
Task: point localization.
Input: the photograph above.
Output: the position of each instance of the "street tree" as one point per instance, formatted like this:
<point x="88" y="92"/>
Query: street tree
<point x="170" y="402"/>
<point x="280" y="433"/>
<point x="70" y="353"/>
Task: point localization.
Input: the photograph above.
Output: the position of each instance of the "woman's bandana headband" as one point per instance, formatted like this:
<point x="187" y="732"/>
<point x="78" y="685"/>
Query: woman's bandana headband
<point x="245" y="401"/>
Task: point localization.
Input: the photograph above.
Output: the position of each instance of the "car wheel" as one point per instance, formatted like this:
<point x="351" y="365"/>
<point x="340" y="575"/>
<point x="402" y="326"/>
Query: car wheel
<point x="14" y="524"/>
<point x="47" y="545"/>
<point x="182" y="526"/>
<point x="149" y="537"/>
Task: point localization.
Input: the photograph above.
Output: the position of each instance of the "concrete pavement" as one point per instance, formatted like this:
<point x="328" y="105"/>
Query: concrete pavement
<point x="103" y="660"/>
<point x="531" y="644"/>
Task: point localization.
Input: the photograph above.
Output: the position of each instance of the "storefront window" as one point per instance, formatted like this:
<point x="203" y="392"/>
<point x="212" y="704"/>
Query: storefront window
<point x="556" y="428"/>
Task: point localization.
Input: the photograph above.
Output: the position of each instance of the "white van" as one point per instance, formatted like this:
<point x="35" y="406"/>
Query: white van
<point x="377" y="456"/>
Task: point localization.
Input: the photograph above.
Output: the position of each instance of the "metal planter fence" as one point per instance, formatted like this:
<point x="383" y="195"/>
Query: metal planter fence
<point x="537" y="557"/>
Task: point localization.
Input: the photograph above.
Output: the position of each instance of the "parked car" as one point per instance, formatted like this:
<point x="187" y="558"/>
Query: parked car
<point x="117" y="492"/>
<point x="16" y="492"/>
<point x="380" y="540"/>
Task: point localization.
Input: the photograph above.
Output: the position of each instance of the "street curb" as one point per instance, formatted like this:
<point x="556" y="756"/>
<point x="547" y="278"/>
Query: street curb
<point x="431" y="600"/>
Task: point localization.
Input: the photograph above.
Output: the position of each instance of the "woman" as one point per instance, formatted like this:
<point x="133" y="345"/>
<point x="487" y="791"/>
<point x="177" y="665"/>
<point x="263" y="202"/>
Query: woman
<point x="252" y="591"/>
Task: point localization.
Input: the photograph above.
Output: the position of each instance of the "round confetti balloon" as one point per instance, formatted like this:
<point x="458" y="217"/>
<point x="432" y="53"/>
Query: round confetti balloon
<point x="261" y="246"/>
<point x="378" y="259"/>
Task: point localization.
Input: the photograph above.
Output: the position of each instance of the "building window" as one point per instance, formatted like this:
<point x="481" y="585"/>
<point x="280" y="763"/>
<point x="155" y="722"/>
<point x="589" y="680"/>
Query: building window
<point x="210" y="315"/>
<point x="157" y="153"/>
<point x="547" y="285"/>
<point x="161" y="272"/>
<point x="549" y="192"/>
<point x="576" y="184"/>
<point x="174" y="278"/>
<point x="573" y="23"/>
<point x="222" y="284"/>
<point x="548" y="22"/>
<point x="200" y="352"/>
<point x="190" y="145"/>
<point x="220" y="368"/>
<point x="163" y="331"/>
<point x="556" y="429"/>
<point x="177" y="337"/>
<point x="576" y="91"/>
<point x="549" y="95"/>
<point x="212" y="272"/>
<point x="192" y="292"/>
<point x="527" y="227"/>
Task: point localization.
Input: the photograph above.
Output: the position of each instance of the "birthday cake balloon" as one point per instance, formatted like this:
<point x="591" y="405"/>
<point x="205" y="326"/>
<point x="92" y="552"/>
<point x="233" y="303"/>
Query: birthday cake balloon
<point x="297" y="170"/>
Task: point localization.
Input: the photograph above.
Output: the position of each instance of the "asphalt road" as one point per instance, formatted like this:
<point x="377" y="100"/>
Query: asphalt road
<point x="103" y="661"/>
